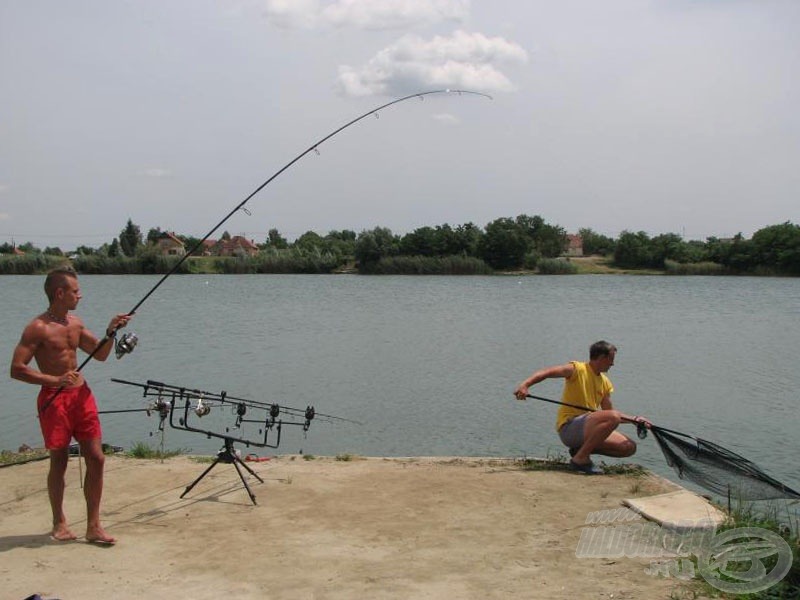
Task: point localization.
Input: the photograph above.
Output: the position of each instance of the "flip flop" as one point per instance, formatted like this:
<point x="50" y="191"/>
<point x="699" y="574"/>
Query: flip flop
<point x="587" y="469"/>
<point x="101" y="542"/>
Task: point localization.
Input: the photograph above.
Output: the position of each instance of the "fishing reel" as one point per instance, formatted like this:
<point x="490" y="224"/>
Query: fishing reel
<point x="641" y="430"/>
<point x="309" y="416"/>
<point x="241" y="410"/>
<point x="126" y="344"/>
<point x="201" y="410"/>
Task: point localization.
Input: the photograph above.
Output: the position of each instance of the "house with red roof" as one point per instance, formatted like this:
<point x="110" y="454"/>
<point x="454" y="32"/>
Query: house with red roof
<point x="574" y="245"/>
<point x="169" y="244"/>
<point x="238" y="245"/>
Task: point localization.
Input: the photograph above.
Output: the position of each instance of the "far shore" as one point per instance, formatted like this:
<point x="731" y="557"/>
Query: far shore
<point x="586" y="265"/>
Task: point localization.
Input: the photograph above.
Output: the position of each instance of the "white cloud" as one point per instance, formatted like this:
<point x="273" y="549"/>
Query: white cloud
<point x="156" y="172"/>
<point x="293" y="13"/>
<point x="460" y="61"/>
<point x="365" y="14"/>
<point x="394" y="14"/>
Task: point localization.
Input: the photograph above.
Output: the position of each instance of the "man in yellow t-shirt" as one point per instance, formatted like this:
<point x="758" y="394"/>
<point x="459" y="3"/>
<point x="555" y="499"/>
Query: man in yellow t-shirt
<point x="590" y="431"/>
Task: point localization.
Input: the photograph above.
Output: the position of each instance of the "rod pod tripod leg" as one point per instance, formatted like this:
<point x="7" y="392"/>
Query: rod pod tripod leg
<point x="228" y="455"/>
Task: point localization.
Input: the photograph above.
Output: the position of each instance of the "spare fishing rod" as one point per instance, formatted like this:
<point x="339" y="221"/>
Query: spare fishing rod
<point x="127" y="343"/>
<point x="222" y="398"/>
<point x="707" y="463"/>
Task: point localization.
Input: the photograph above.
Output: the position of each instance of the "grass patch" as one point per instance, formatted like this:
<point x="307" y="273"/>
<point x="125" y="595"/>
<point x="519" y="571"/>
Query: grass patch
<point x="203" y="459"/>
<point x="672" y="267"/>
<point x="142" y="450"/>
<point x="308" y="457"/>
<point x="346" y="457"/>
<point x="552" y="462"/>
<point x="627" y="469"/>
<point x="556" y="266"/>
<point x="8" y="458"/>
<point x="426" y="265"/>
<point x="560" y="462"/>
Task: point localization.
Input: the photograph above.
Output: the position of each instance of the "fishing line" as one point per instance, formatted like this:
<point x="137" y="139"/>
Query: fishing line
<point x="129" y="340"/>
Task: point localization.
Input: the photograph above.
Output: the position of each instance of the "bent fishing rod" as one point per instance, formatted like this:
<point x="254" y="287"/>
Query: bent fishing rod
<point x="313" y="148"/>
<point x="128" y="342"/>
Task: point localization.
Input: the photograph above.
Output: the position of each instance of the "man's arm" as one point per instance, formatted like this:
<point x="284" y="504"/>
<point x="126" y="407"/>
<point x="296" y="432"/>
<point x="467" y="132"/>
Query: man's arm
<point x="89" y="342"/>
<point x="605" y="404"/>
<point x="24" y="353"/>
<point x="564" y="371"/>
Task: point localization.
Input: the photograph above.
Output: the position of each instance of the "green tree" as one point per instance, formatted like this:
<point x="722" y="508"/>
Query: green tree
<point x="114" y="249"/>
<point x="341" y="243"/>
<point x="595" y="243"/>
<point x="153" y="235"/>
<point x="668" y="246"/>
<point x="420" y="242"/>
<point x="276" y="240"/>
<point x="53" y="251"/>
<point x="445" y="241"/>
<point x="192" y="244"/>
<point x="29" y="248"/>
<point x="310" y="242"/>
<point x="373" y="245"/>
<point x="467" y="239"/>
<point x="778" y="246"/>
<point x="633" y="250"/>
<point x="504" y="244"/>
<point x="130" y="239"/>
<point x="736" y="253"/>
<point x="546" y="240"/>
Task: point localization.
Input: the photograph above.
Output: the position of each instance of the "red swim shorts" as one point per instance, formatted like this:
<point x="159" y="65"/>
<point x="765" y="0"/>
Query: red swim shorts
<point x="72" y="412"/>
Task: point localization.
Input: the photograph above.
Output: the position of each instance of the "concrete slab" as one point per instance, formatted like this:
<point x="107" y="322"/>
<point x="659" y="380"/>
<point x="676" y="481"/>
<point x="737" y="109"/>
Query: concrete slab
<point x="680" y="509"/>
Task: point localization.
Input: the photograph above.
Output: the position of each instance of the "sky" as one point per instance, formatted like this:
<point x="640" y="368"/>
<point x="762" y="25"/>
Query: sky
<point x="672" y="116"/>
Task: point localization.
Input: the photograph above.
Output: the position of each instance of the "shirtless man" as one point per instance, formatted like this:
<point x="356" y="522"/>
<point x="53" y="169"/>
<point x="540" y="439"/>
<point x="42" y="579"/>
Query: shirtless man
<point x="66" y="405"/>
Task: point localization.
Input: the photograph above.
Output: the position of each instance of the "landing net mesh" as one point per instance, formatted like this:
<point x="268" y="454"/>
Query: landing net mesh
<point x="717" y="468"/>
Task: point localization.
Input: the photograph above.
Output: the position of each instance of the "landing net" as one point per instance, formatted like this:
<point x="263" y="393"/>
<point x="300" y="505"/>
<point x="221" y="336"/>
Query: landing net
<point x="717" y="468"/>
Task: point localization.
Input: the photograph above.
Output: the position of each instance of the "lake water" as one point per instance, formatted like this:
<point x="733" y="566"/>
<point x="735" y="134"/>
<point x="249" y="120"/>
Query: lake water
<point x="428" y="364"/>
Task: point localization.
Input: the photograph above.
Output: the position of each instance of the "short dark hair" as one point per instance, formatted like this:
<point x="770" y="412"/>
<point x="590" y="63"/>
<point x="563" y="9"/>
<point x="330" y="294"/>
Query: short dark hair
<point x="56" y="279"/>
<point x="601" y="348"/>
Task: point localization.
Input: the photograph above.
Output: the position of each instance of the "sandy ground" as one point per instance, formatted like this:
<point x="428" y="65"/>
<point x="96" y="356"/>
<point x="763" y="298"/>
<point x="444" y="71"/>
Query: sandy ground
<point x="324" y="528"/>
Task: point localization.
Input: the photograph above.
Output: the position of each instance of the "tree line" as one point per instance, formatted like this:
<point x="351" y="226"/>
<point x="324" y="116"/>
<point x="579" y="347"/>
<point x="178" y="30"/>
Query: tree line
<point x="521" y="243"/>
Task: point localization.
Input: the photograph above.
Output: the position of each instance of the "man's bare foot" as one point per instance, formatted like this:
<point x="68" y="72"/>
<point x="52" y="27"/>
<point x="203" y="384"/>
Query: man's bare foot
<point x="98" y="536"/>
<point x="62" y="533"/>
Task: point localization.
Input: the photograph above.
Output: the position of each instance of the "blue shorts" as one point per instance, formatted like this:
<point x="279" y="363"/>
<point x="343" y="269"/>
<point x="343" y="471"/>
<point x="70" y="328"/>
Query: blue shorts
<point x="571" y="433"/>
